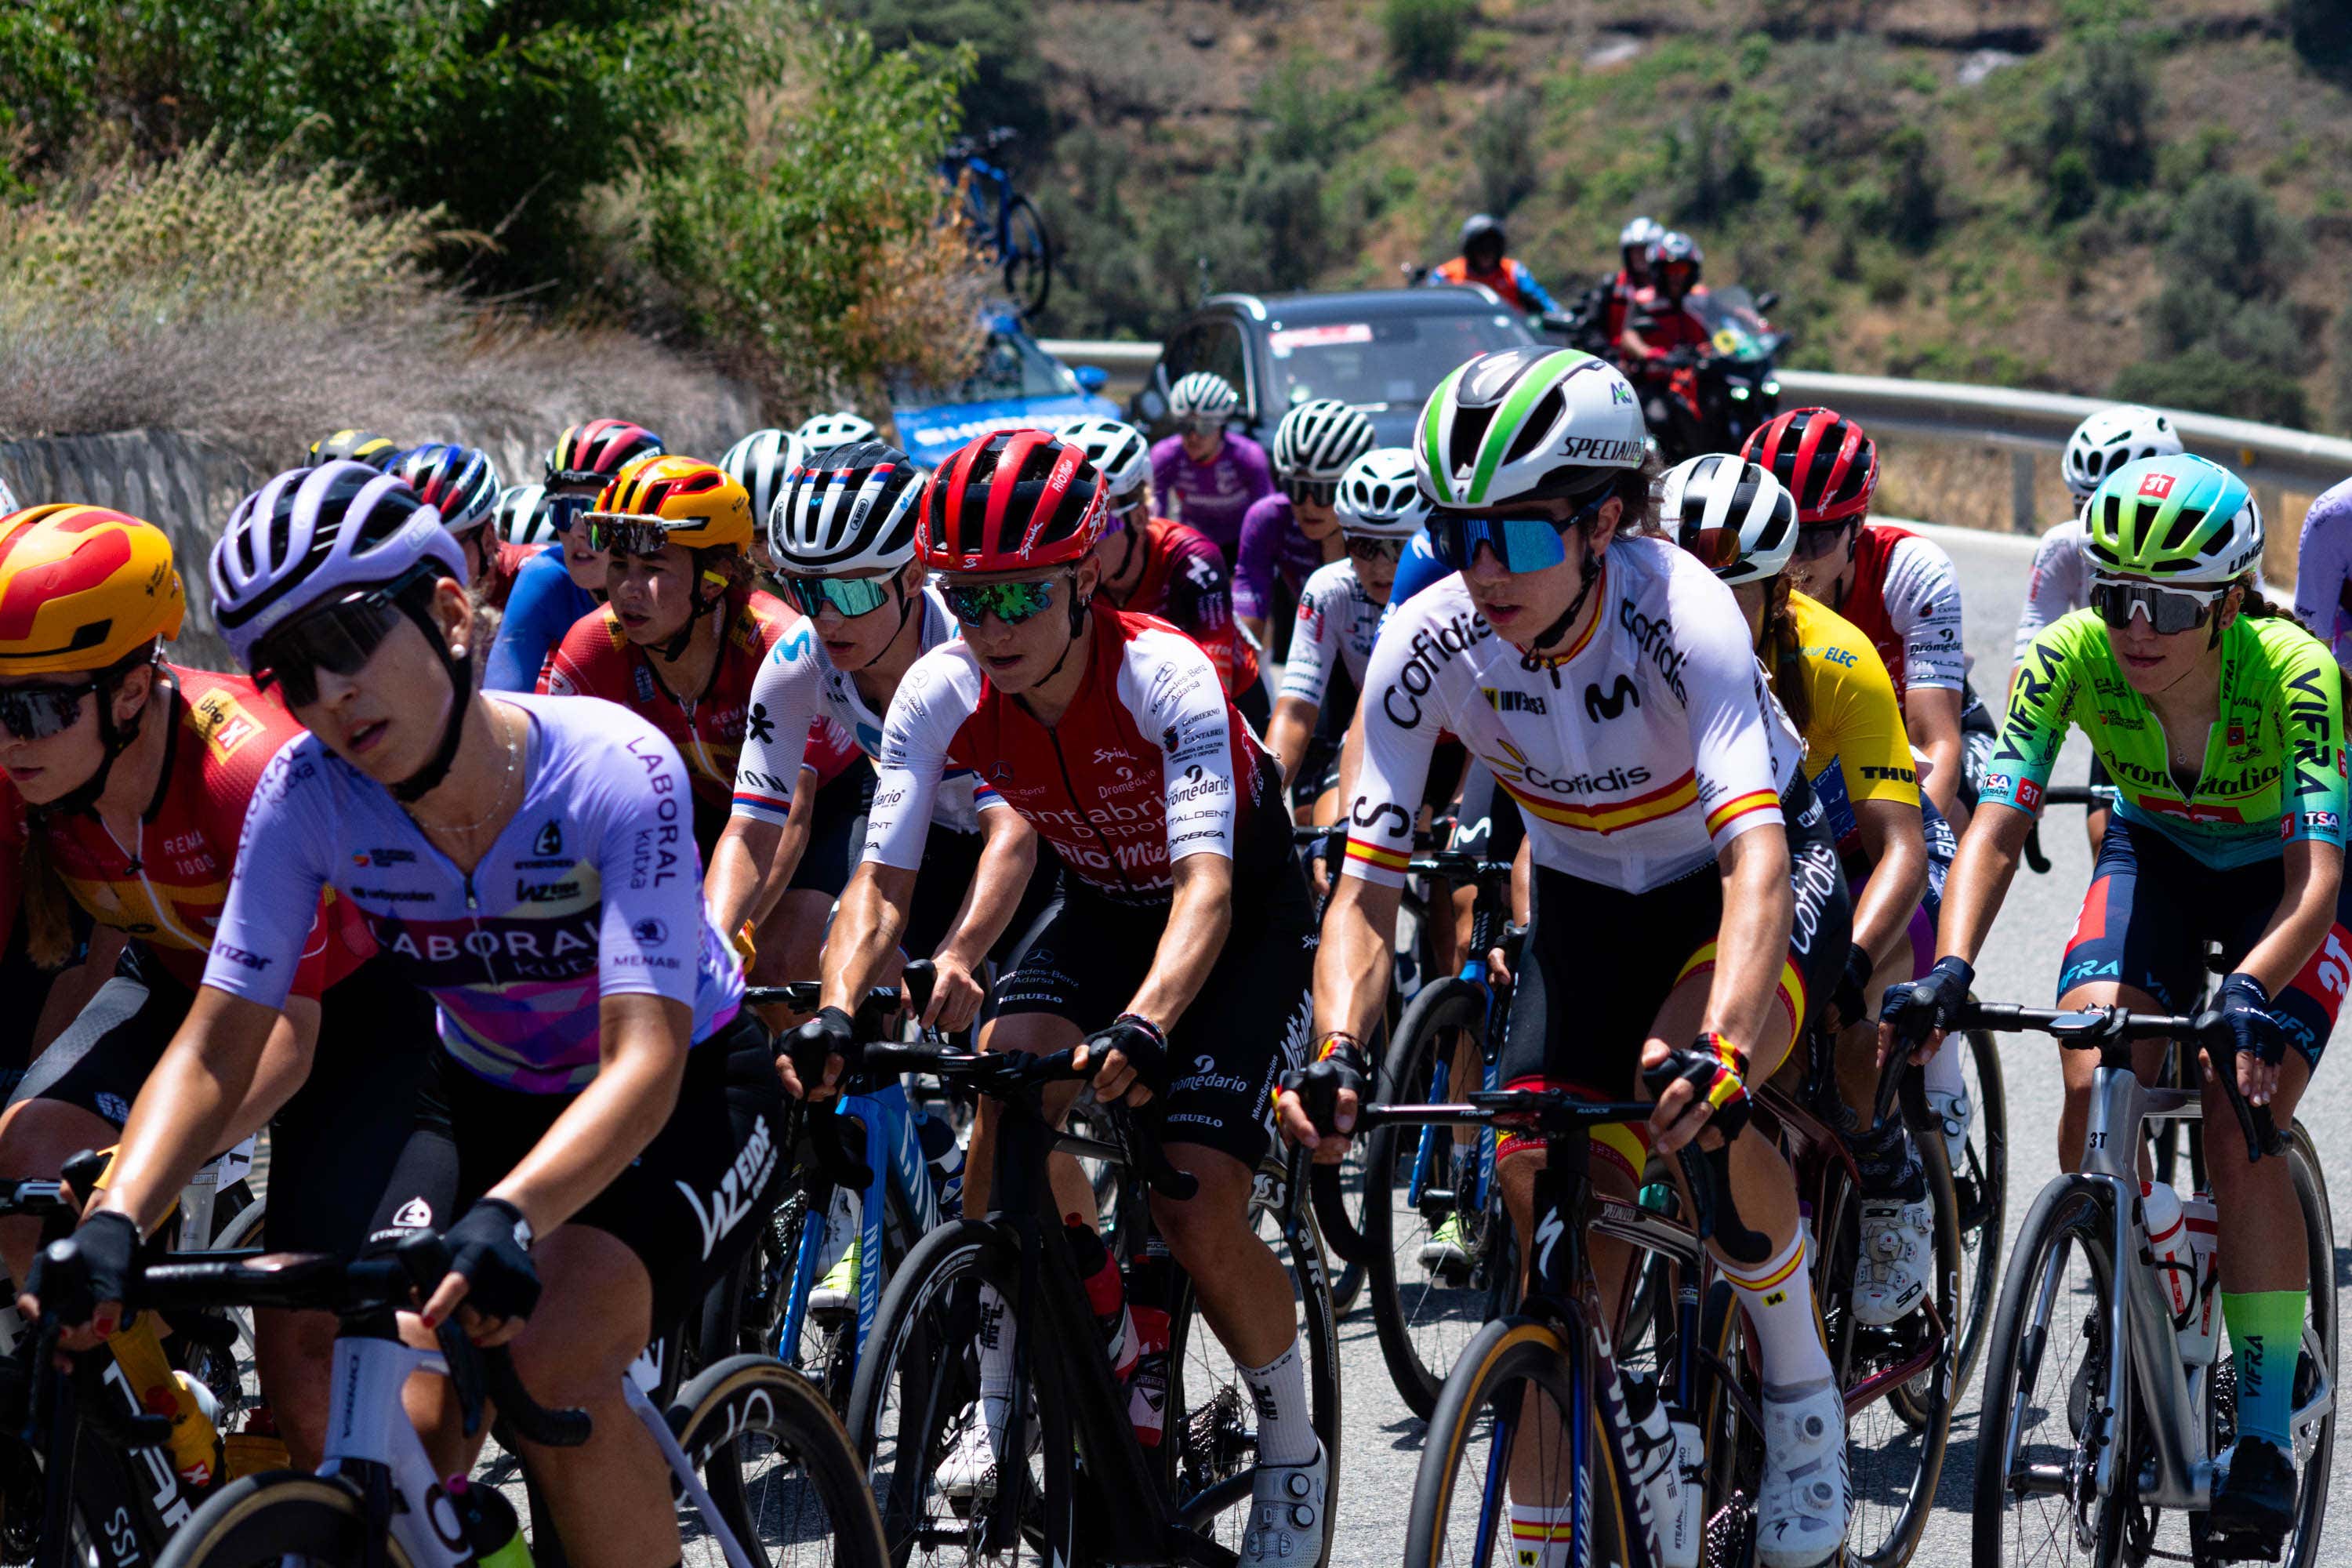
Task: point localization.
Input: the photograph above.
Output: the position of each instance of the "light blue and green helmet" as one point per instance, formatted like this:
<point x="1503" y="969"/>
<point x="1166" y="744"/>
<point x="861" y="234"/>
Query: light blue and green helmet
<point x="2173" y="519"/>
<point x="1527" y="424"/>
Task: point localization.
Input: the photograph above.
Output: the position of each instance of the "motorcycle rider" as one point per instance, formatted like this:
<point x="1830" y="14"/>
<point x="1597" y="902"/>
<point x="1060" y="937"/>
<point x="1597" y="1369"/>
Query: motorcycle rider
<point x="1661" y="333"/>
<point x="1482" y="261"/>
<point x="1633" y="281"/>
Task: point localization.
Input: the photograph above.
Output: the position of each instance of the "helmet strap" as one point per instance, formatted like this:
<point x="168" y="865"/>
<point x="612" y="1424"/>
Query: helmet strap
<point x="460" y="670"/>
<point x="906" y="613"/>
<point x="1078" y="609"/>
<point x="1591" y="567"/>
<point x="699" y="606"/>
<point x="113" y="739"/>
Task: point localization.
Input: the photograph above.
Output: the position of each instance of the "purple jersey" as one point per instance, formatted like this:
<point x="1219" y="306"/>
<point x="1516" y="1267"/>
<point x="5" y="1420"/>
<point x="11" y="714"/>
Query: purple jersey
<point x="1212" y="498"/>
<point x="2323" y="572"/>
<point x="1272" y="548"/>
<point x="592" y="887"/>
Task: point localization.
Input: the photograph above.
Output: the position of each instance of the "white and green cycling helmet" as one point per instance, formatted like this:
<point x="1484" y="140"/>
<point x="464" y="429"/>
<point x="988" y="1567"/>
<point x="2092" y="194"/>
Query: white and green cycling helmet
<point x="1115" y="448"/>
<point x="2173" y="520"/>
<point x="1381" y="496"/>
<point x="2112" y="438"/>
<point x="1527" y="424"/>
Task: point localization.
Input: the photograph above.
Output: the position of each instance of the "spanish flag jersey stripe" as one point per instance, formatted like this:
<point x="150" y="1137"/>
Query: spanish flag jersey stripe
<point x="1616" y="816"/>
<point x="1600" y="592"/>
<point x="1387" y="859"/>
<point x="1738" y="806"/>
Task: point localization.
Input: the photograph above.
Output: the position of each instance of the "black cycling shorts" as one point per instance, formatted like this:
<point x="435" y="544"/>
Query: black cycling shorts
<point x="836" y="832"/>
<point x="1600" y="960"/>
<point x="687" y="1206"/>
<point x="1086" y="956"/>
<point x="331" y="1147"/>
<point x="2151" y="909"/>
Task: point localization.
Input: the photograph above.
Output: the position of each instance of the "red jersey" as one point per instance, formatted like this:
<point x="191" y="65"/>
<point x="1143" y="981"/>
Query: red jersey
<point x="1903" y="595"/>
<point x="168" y="887"/>
<point x="505" y="561"/>
<point x="1667" y="325"/>
<point x="1626" y="297"/>
<point x="1184" y="584"/>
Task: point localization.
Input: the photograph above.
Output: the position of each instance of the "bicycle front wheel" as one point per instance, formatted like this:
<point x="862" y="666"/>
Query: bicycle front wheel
<point x="280" y="1517"/>
<point x="1981" y="1186"/>
<point x="779" y="1468"/>
<point x="1028" y="256"/>
<point x="1500" y="1434"/>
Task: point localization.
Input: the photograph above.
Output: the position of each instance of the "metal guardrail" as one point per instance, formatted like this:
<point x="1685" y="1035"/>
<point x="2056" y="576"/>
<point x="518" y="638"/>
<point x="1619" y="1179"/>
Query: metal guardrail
<point x="2267" y="456"/>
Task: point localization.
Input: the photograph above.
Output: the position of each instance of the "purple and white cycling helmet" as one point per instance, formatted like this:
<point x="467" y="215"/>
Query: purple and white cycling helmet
<point x="312" y="533"/>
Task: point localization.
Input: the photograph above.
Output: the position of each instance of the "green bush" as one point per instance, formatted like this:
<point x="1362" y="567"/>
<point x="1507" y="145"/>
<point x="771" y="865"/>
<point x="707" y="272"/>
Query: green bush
<point x="1425" y="36"/>
<point x="2227" y="231"/>
<point x="2322" y="33"/>
<point x="2208" y="381"/>
<point x="1007" y="86"/>
<point x="2100" y="107"/>
<point x="1503" y="152"/>
<point x="1711" y="168"/>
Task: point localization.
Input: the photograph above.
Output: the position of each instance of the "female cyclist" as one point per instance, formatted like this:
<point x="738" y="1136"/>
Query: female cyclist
<point x="2220" y="721"/>
<point x="1205" y="475"/>
<point x="1290" y="534"/>
<point x="461" y="483"/>
<point x="127" y="780"/>
<point x="760" y="462"/>
<point x="525" y="861"/>
<point x="567" y="580"/>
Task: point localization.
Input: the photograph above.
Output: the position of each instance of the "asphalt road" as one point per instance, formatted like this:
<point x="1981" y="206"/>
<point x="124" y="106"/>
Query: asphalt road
<point x="1383" y="1440"/>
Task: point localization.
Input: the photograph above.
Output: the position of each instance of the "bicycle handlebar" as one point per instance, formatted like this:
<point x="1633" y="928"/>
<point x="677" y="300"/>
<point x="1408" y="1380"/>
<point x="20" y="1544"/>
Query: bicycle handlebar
<point x="2092" y="1029"/>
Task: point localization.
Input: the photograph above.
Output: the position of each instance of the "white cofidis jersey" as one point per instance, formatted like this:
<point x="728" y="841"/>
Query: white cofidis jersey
<point x="1633" y="756"/>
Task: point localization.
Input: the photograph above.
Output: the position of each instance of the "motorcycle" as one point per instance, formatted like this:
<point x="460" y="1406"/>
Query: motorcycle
<point x="1711" y="399"/>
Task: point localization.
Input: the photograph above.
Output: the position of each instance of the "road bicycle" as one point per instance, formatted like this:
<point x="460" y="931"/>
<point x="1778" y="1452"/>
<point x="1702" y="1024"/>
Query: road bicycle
<point x="1076" y="1484"/>
<point x="378" y="1497"/>
<point x="2093" y="1425"/>
<point x="1002" y="222"/>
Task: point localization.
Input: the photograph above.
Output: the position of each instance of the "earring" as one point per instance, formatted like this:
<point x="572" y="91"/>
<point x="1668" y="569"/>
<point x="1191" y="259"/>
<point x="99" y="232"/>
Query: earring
<point x="457" y="652"/>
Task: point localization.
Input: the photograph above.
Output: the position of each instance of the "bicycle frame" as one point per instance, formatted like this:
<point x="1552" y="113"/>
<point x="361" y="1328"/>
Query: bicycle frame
<point x="895" y="1154"/>
<point x="1433" y="1149"/>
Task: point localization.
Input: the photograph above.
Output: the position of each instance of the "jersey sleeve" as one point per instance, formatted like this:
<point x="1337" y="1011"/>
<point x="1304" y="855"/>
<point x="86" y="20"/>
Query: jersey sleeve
<point x="1395" y="766"/>
<point x="2040" y="705"/>
<point x="1166" y="454"/>
<point x="2322" y="571"/>
<point x="1258" y="554"/>
<point x="2313" y="718"/>
<point x="1201" y="601"/>
<point x="1256" y="470"/>
<point x="1168" y="686"/>
<point x="1728" y="711"/>
<point x="1856" y="715"/>
<point x="1324" y="613"/>
<point x="1530" y="289"/>
<point x="539" y="610"/>
<point x="2053" y="589"/>
<point x="289" y="839"/>
<point x="785" y="698"/>
<point x="649" y="939"/>
<point x="931" y="703"/>
<point x="1923" y="604"/>
<point x="581" y="663"/>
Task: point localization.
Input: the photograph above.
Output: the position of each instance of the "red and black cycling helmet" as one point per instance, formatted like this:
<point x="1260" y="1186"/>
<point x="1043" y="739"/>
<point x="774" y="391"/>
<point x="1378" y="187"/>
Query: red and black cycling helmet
<point x="1822" y="459"/>
<point x="1009" y="500"/>
<point x="596" y="453"/>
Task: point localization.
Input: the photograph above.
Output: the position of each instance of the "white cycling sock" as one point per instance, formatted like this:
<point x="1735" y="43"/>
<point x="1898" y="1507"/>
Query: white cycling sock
<point x="1285" y="1427"/>
<point x="1779" y="1297"/>
<point x="1542" y="1537"/>
<point x="995" y="1344"/>
<point x="1942" y="1073"/>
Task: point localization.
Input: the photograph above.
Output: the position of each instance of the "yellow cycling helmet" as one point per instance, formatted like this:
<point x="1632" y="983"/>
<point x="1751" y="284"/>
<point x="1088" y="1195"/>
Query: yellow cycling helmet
<point x="83" y="588"/>
<point x="666" y="498"/>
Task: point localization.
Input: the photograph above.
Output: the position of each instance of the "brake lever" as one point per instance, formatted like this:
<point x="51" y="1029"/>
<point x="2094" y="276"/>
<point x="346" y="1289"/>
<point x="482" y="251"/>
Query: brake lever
<point x="2261" y="1129"/>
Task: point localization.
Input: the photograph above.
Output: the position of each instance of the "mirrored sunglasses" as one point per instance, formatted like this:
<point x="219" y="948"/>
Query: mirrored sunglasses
<point x="622" y="533"/>
<point x="1718" y="549"/>
<point x="1012" y="602"/>
<point x="1315" y="492"/>
<point x="853" y="596"/>
<point x="1520" y="544"/>
<point x="2165" y="610"/>
<point x="341" y="638"/>
<point x="38" y="713"/>
<point x="1368" y="547"/>
<point x="562" y="511"/>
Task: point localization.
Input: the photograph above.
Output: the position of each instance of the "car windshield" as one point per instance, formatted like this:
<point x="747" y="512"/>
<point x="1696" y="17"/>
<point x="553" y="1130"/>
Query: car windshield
<point x="1010" y="367"/>
<point x="1384" y="362"/>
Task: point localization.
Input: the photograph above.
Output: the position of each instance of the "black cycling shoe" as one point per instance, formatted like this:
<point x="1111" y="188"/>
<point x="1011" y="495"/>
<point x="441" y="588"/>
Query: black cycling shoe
<point x="2253" y="1501"/>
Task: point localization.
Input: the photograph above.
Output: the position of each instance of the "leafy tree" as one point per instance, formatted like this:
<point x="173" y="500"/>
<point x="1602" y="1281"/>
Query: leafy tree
<point x="1007" y="86"/>
<point x="1425" y="36"/>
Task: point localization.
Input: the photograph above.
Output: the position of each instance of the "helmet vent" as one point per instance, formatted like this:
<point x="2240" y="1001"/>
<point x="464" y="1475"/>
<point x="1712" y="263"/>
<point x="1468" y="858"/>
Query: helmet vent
<point x="1540" y="422"/>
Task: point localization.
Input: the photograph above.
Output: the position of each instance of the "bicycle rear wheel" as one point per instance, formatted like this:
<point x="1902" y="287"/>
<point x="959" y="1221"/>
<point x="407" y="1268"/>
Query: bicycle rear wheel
<point x="281" y="1517"/>
<point x="1981" y="1186"/>
<point x="1028" y="256"/>
<point x="1500" y="1415"/>
<point x="1431" y="1291"/>
<point x="778" y="1465"/>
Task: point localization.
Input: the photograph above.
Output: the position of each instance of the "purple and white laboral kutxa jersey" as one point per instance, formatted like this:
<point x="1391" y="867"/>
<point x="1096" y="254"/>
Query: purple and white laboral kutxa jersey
<point x="591" y="888"/>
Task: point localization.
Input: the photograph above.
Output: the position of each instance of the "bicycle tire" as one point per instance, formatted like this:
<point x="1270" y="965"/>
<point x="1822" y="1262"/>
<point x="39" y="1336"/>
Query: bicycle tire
<point x="1982" y="1191"/>
<point x="920" y="1337"/>
<point x="270" y="1518"/>
<point x="1405" y="1297"/>
<point x="1028" y="249"/>
<point x="1732" y="1446"/>
<point x="2071" y="1212"/>
<point x="1205" y="1475"/>
<point x="759" y="1396"/>
<point x="1506" y="1352"/>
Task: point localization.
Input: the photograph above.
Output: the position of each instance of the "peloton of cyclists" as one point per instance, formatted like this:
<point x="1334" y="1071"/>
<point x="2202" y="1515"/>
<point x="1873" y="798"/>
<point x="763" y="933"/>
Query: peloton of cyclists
<point x="1290" y="534"/>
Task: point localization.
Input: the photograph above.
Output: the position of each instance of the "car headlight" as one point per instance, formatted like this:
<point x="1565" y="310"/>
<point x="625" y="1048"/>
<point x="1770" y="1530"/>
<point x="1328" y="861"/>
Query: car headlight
<point x="1740" y="393"/>
<point x="1772" y="387"/>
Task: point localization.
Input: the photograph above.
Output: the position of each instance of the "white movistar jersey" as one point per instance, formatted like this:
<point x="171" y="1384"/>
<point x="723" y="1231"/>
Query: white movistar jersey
<point x="797" y="681"/>
<point x="1337" y="620"/>
<point x="1634" y="756"/>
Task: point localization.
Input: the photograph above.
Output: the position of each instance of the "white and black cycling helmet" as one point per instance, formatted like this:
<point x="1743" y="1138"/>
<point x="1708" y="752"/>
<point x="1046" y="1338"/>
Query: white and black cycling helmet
<point x="1316" y="442"/>
<point x="851" y="509"/>
<point x="842" y="427"/>
<point x="1204" y="394"/>
<point x="1639" y="235"/>
<point x="2112" y="438"/>
<point x="1116" y="449"/>
<point x="1731" y="513"/>
<point x="1381" y="496"/>
<point x="1527" y="424"/>
<point x="759" y="463"/>
<point x="522" y="515"/>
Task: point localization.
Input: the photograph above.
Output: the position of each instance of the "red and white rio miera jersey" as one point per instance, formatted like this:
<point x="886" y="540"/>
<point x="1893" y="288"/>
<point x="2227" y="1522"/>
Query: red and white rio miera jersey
<point x="1150" y="765"/>
<point x="1634" y="756"/>
<point x="1905" y="597"/>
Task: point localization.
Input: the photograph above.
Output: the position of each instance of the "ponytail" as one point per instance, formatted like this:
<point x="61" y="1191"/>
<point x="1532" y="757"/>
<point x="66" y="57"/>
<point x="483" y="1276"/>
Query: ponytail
<point x="47" y="907"/>
<point x="1783" y="655"/>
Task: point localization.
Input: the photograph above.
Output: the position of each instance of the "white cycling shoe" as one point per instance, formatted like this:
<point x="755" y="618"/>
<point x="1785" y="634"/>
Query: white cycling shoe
<point x="1287" y="1521"/>
<point x="1803" y="1502"/>
<point x="1897" y="1249"/>
<point x="1959" y="1116"/>
<point x="969" y="1467"/>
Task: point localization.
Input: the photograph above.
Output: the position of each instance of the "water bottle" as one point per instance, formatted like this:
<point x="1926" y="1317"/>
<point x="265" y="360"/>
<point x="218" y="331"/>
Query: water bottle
<point x="945" y="1157"/>
<point x="1657" y="1472"/>
<point x="1105" y="1293"/>
<point x="1147" y="1388"/>
<point x="2169" y="1250"/>
<point x="191" y="1409"/>
<point x="489" y="1521"/>
<point x="1681" y="1550"/>
<point x="2201" y="1338"/>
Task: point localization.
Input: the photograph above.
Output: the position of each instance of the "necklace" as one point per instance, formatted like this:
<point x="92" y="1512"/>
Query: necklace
<point x="506" y="780"/>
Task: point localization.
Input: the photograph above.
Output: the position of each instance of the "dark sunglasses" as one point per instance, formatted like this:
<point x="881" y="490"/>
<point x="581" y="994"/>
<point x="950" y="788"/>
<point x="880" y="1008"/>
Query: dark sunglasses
<point x="1368" y="548"/>
<point x="1318" y="492"/>
<point x="341" y="638"/>
<point x="1718" y="549"/>
<point x="562" y="511"/>
<point x="2165" y="610"/>
<point x="1134" y="513"/>
<point x="1817" y="540"/>
<point x="1012" y="602"/>
<point x="853" y="596"/>
<point x="38" y="713"/>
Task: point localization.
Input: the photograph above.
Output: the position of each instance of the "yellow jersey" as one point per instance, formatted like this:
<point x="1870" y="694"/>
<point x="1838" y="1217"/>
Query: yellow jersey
<point x="1855" y="745"/>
